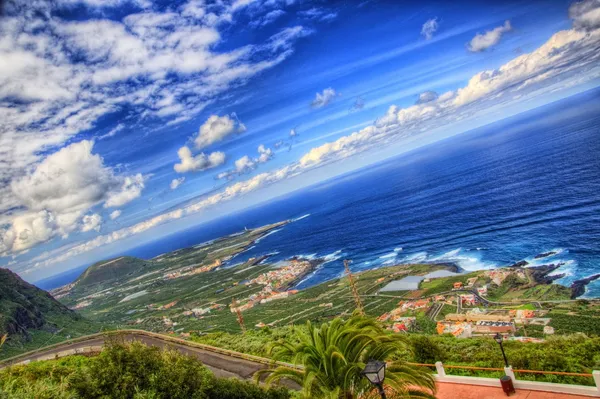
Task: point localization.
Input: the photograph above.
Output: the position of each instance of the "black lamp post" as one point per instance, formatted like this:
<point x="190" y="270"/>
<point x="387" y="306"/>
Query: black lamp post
<point x="375" y="373"/>
<point x="498" y="338"/>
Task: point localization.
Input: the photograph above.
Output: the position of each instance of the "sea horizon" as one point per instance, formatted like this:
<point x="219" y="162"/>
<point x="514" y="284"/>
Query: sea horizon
<point x="484" y="197"/>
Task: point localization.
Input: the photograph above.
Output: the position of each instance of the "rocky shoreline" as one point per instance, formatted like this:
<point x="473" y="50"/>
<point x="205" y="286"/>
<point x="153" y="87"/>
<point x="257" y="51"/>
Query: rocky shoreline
<point x="578" y="286"/>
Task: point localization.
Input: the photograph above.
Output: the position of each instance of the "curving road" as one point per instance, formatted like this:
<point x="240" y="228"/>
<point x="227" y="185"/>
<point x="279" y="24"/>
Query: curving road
<point x="222" y="363"/>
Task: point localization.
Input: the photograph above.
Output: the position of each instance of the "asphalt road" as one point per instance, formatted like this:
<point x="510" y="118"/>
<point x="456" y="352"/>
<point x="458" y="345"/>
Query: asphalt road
<point x="220" y="364"/>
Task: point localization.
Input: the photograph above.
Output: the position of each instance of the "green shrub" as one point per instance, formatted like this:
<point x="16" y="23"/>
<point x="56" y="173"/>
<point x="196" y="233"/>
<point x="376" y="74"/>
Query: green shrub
<point x="425" y="350"/>
<point x="127" y="371"/>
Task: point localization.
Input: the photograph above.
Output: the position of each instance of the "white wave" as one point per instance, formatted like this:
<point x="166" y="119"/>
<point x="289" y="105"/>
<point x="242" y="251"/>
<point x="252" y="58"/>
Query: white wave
<point x="398" y="249"/>
<point x="308" y="257"/>
<point x="332" y="256"/>
<point x="567" y="268"/>
<point x="301" y="217"/>
<point x="266" y="235"/>
<point x="390" y="255"/>
<point x="466" y="262"/>
<point x="416" y="257"/>
<point x="457" y="256"/>
<point x="554" y="258"/>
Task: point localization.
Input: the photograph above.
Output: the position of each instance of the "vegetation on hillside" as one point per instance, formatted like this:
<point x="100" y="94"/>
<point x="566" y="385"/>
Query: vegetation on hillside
<point x="334" y="355"/>
<point x="31" y="318"/>
<point x="127" y="371"/>
<point x="576" y="353"/>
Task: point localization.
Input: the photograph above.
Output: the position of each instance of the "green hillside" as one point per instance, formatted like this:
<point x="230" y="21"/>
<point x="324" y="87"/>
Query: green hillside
<point x="31" y="317"/>
<point x="112" y="270"/>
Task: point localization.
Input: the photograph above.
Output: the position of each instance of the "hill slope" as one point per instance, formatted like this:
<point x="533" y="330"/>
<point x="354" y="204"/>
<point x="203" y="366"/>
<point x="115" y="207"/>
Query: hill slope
<point x="108" y="271"/>
<point x="23" y="307"/>
<point x="33" y="318"/>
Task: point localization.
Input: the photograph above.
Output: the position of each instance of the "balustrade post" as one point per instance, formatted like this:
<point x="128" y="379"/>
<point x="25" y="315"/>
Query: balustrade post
<point x="440" y="369"/>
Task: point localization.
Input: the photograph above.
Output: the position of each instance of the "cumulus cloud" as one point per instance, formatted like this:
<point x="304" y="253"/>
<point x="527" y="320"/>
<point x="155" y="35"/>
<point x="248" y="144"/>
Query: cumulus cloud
<point x="217" y="128"/>
<point x="585" y="14"/>
<point x="483" y="41"/>
<point x="91" y="222"/>
<point x="130" y="189"/>
<point x="265" y="154"/>
<point x="429" y="28"/>
<point x="200" y="162"/>
<point x="176" y="182"/>
<point x="115" y="214"/>
<point x="70" y="179"/>
<point x="54" y="194"/>
<point x="323" y="98"/>
<point x="427" y="96"/>
<point x="247" y="164"/>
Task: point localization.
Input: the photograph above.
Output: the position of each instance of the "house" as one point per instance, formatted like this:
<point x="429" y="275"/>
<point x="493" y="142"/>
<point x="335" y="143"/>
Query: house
<point x="548" y="330"/>
<point x="494" y="327"/>
<point x="458" y="285"/>
<point x="468" y="300"/>
<point x="458" y="329"/>
<point x="403" y="324"/>
<point x="482" y="291"/>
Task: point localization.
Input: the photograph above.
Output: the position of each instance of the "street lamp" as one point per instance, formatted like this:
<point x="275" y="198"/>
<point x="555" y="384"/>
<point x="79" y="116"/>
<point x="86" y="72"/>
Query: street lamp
<point x="375" y="373"/>
<point x="498" y="338"/>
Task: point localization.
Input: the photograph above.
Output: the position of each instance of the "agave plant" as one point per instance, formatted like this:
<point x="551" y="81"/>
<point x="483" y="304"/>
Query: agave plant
<point x="328" y="360"/>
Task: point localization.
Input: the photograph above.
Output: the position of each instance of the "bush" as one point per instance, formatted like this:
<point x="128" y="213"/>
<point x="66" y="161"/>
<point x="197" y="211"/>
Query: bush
<point x="425" y="350"/>
<point x="128" y="371"/>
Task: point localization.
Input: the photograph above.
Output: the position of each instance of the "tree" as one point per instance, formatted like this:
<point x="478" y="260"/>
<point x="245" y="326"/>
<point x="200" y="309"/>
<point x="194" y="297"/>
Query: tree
<point x="332" y="357"/>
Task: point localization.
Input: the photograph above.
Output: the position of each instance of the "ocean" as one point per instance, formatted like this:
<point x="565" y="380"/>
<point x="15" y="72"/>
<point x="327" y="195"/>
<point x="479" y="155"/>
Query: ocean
<point x="482" y="199"/>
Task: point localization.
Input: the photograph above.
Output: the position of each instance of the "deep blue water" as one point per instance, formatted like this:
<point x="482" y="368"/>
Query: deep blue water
<point x="482" y="199"/>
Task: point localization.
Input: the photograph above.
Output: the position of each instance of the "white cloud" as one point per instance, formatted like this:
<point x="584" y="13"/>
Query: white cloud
<point x="200" y="162"/>
<point x="217" y="128"/>
<point x="91" y="222"/>
<point x="115" y="214"/>
<point x="268" y="18"/>
<point x="176" y="182"/>
<point x="585" y="14"/>
<point x="247" y="164"/>
<point x="320" y="14"/>
<point x="70" y="179"/>
<point x="324" y="98"/>
<point x="265" y="154"/>
<point x="105" y="3"/>
<point x="427" y="96"/>
<point x="112" y="132"/>
<point x="483" y="41"/>
<point x="429" y="28"/>
<point x="130" y="189"/>
<point x="54" y="194"/>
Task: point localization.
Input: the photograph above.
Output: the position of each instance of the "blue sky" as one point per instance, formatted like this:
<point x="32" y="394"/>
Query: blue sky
<point x="119" y="116"/>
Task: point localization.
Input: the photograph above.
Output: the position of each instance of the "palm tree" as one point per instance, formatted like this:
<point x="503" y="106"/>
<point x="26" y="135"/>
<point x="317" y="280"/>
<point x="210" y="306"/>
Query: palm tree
<point x="327" y="361"/>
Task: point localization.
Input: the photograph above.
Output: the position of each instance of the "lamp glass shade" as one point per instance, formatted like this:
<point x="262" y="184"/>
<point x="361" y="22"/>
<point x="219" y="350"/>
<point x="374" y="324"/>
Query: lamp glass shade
<point x="498" y="338"/>
<point x="375" y="371"/>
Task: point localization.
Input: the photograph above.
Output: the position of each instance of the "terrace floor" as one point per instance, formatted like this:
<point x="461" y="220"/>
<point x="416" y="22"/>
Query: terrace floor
<point x="463" y="391"/>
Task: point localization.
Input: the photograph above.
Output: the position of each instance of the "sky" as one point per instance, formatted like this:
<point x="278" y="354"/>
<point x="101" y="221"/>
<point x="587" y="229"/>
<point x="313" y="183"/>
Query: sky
<point x="125" y="120"/>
